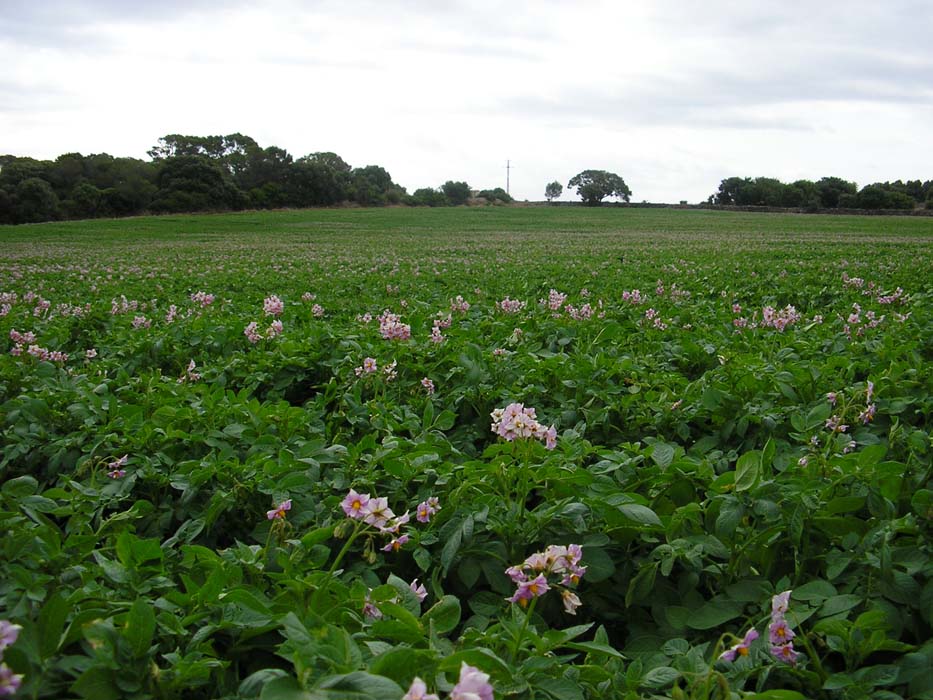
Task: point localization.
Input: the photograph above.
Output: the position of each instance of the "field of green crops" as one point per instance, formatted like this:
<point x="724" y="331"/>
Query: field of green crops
<point x="550" y="453"/>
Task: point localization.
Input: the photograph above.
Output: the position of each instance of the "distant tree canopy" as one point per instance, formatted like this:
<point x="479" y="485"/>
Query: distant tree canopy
<point x="456" y="192"/>
<point x="187" y="173"/>
<point x="593" y="186"/>
<point x="826" y="193"/>
<point x="453" y="193"/>
<point x="553" y="190"/>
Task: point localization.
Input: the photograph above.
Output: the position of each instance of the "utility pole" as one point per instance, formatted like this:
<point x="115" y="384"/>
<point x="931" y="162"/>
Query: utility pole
<point x="508" y="167"/>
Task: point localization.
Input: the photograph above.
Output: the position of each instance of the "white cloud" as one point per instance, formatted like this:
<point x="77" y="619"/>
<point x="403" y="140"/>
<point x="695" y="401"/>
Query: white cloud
<point x="671" y="95"/>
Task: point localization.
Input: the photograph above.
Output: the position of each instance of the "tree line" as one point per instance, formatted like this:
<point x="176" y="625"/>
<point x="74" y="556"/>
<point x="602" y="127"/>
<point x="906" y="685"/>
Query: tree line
<point x="203" y="173"/>
<point x="233" y="172"/>
<point x="826" y="193"/>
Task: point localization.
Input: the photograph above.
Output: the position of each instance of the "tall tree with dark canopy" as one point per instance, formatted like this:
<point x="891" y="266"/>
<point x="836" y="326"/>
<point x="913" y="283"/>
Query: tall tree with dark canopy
<point x="593" y="186"/>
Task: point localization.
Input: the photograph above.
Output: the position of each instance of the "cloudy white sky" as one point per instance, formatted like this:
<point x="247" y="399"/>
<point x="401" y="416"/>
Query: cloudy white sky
<point x="673" y="95"/>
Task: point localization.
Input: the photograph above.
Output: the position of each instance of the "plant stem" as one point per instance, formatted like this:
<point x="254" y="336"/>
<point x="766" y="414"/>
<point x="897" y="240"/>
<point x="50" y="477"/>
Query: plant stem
<point x="521" y="632"/>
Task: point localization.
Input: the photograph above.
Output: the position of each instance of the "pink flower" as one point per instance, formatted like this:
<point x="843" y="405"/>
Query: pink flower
<point x="115" y="468"/>
<point x="396" y="543"/>
<point x="419" y="691"/>
<point x="527" y="590"/>
<point x="425" y="510"/>
<point x="473" y="685"/>
<point x="779" y="632"/>
<point x="8" y="634"/>
<point x="280" y="510"/>
<point x="251" y="332"/>
<point x="419" y="590"/>
<point x="273" y="306"/>
<point x="9" y="681"/>
<point x="354" y="504"/>
<point x="571" y="601"/>
<point x="550" y="438"/>
<point x="376" y="512"/>
<point x="370" y="610"/>
<point x="785" y="653"/>
<point x="428" y="386"/>
<point x="740" y="649"/>
<point x="779" y="605"/>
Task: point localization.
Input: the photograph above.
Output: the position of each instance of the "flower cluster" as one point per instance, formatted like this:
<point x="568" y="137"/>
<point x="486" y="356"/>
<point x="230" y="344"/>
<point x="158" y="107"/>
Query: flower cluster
<point x="515" y="421"/>
<point x="202" y="298"/>
<point x="473" y="684"/>
<point x="368" y="367"/>
<point x="633" y="297"/>
<point x="779" y="632"/>
<point x="436" y="335"/>
<point x="9" y="681"/>
<point x="392" y="328"/>
<point x="254" y="335"/>
<point x="459" y="305"/>
<point x="189" y="375"/>
<point x="273" y="306"/>
<point x="510" y="306"/>
<point x="779" y="319"/>
<point x="428" y="386"/>
<point x="868" y="415"/>
<point x="376" y="513"/>
<point x="115" y="468"/>
<point x="780" y="635"/>
<point x="654" y="316"/>
<point x="558" y="566"/>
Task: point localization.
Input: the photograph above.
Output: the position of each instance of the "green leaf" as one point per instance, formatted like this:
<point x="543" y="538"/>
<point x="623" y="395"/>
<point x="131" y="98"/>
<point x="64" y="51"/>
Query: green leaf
<point x="777" y="695"/>
<point x="140" y="627"/>
<point x="659" y="677"/>
<point x="444" y="614"/>
<point x="662" y="454"/>
<point x="595" y="648"/>
<point x="483" y="659"/>
<point x="451" y="547"/>
<point x="640" y="514"/>
<point x="52" y="625"/>
<point x="714" y="613"/>
<point x="20" y="487"/>
<point x="642" y="584"/>
<point x="839" y="604"/>
<point x="599" y="565"/>
<point x="748" y="470"/>
<point x="559" y="688"/>
<point x="97" y="684"/>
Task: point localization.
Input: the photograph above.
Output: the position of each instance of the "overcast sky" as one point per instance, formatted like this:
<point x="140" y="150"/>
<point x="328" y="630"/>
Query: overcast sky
<point x="673" y="95"/>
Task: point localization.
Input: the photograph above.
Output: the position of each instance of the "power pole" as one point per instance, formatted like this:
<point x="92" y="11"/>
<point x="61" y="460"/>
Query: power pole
<point x="508" y="167"/>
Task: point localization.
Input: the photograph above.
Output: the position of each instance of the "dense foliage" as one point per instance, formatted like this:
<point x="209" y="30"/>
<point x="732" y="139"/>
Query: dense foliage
<point x="213" y="425"/>
<point x="826" y="193"/>
<point x="593" y="186"/>
<point x="203" y="173"/>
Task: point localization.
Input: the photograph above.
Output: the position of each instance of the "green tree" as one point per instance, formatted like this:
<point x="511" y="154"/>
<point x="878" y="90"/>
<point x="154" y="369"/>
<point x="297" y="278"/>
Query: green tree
<point x="312" y="182"/>
<point x="832" y="188"/>
<point x="36" y="201"/>
<point x="456" y="192"/>
<point x="595" y="185"/>
<point x="372" y="186"/>
<point x="497" y="195"/>
<point x="85" y="201"/>
<point x="194" y="183"/>
<point x="428" y="197"/>
<point x="553" y="190"/>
